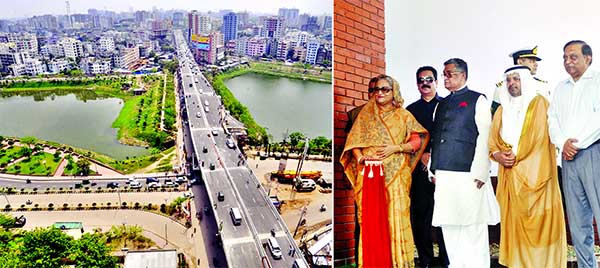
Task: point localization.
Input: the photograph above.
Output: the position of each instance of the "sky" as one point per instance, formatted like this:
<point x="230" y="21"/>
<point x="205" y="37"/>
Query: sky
<point x="484" y="33"/>
<point x="28" y="8"/>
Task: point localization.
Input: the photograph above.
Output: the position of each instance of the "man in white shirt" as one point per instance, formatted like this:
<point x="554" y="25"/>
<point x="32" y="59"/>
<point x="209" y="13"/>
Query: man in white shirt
<point x="574" y="126"/>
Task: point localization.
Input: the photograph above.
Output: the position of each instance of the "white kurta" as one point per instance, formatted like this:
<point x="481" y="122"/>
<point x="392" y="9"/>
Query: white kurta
<point x="457" y="199"/>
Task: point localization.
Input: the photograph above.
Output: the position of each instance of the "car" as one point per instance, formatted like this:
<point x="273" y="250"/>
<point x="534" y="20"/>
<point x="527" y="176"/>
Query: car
<point x="206" y="102"/>
<point x="188" y="194"/>
<point x="151" y="179"/>
<point x="180" y="180"/>
<point x="20" y="221"/>
<point x="154" y="185"/>
<point x="204" y="149"/>
<point x="112" y="185"/>
<point x="214" y="132"/>
<point x="135" y="184"/>
<point x="206" y="109"/>
<point x="129" y="180"/>
<point x="169" y="183"/>
<point x="220" y="196"/>
<point x="211" y="166"/>
<point x="230" y="143"/>
<point x="274" y="248"/>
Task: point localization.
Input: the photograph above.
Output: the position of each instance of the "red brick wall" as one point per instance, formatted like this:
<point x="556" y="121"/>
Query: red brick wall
<point x="359" y="55"/>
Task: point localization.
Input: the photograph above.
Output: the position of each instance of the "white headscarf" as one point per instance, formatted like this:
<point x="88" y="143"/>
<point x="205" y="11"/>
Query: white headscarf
<point x="515" y="108"/>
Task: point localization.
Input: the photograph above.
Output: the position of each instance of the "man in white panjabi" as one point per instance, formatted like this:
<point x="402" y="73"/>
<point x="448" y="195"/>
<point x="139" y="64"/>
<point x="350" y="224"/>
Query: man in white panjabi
<point x="464" y="198"/>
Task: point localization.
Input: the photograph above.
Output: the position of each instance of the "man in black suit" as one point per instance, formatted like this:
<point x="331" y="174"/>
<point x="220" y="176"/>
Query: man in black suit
<point x="421" y="192"/>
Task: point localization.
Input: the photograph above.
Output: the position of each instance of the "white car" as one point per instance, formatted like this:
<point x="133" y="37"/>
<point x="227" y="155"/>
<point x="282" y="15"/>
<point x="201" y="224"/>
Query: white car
<point x="206" y="102"/>
<point x="154" y="185"/>
<point x="169" y="183"/>
<point x="135" y="184"/>
<point x="214" y="132"/>
<point x="230" y="143"/>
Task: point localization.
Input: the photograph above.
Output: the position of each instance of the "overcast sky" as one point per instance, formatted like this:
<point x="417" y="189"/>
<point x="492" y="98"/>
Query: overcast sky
<point x="28" y="8"/>
<point x="483" y="33"/>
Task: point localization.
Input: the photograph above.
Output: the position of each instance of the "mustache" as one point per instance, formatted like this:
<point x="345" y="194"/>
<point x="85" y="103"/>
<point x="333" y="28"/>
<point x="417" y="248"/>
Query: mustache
<point x="426" y="86"/>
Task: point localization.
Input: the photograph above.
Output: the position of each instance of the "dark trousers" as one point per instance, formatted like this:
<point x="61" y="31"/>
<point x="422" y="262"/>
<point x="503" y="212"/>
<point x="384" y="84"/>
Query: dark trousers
<point x="421" y="214"/>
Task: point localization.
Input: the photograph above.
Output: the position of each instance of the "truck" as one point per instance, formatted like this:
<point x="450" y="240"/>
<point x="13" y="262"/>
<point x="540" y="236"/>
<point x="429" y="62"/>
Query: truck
<point x="288" y="176"/>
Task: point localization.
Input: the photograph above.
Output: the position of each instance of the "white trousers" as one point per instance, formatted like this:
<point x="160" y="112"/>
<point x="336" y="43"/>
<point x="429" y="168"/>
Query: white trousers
<point x="467" y="245"/>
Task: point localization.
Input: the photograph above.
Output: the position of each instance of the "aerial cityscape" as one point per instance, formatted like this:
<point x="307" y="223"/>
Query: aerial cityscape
<point x="158" y="136"/>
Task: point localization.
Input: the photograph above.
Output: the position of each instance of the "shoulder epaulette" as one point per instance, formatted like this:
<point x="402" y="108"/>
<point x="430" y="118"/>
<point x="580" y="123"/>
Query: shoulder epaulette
<point x="540" y="80"/>
<point x="499" y="84"/>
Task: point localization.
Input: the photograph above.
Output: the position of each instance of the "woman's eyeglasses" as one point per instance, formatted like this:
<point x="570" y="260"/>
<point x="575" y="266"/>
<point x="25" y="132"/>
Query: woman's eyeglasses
<point x="384" y="90"/>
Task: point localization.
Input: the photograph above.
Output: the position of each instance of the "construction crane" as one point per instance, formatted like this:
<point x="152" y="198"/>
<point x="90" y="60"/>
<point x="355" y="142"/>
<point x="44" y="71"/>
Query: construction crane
<point x="298" y="178"/>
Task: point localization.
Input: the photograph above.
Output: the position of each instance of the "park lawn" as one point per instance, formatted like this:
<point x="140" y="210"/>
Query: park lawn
<point x="126" y="121"/>
<point x="71" y="169"/>
<point x="35" y="165"/>
<point x="10" y="153"/>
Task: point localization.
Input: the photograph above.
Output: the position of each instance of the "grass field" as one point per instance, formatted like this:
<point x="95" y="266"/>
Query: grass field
<point x="41" y="163"/>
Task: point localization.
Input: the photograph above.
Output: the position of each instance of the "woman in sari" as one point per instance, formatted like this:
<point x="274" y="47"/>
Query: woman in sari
<point x="381" y="151"/>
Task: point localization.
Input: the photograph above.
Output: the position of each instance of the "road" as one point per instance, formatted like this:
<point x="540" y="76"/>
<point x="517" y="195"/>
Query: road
<point x="223" y="169"/>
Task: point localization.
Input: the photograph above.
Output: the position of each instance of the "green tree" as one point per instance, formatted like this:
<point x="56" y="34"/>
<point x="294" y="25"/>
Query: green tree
<point x="44" y="248"/>
<point x="320" y="145"/>
<point x="296" y="137"/>
<point x="6" y="221"/>
<point x="29" y="140"/>
<point x="83" y="165"/>
<point x="91" y="251"/>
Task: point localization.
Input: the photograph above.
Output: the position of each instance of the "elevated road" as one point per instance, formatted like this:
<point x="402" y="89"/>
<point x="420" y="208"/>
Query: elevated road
<point x="222" y="169"/>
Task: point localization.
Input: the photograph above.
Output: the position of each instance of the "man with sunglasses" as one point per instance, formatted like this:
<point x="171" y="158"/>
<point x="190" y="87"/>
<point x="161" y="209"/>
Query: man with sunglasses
<point x="464" y="199"/>
<point x="421" y="192"/>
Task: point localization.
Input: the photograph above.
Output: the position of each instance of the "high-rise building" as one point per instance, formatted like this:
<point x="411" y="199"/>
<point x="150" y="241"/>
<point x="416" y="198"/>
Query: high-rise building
<point x="311" y="25"/>
<point x="127" y="58"/>
<point x="327" y="23"/>
<point x="312" y="49"/>
<point x="283" y="47"/>
<point x="230" y="26"/>
<point x="45" y="22"/>
<point x="141" y="16"/>
<point x="178" y="20"/>
<point x="205" y="24"/>
<point x="290" y="16"/>
<point x="106" y="43"/>
<point x="257" y="31"/>
<point x="272" y="27"/>
<point x="193" y="23"/>
<point x="243" y="19"/>
<point x="302" y="37"/>
<point x="68" y="9"/>
<point x="303" y="19"/>
<point x="72" y="48"/>
<point x="256" y="47"/>
<point x="57" y="65"/>
<point x="25" y="42"/>
<point x="9" y="55"/>
<point x="240" y="46"/>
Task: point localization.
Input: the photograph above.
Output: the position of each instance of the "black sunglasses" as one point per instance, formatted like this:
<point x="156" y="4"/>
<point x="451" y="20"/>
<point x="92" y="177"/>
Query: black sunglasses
<point x="384" y="90"/>
<point x="427" y="79"/>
